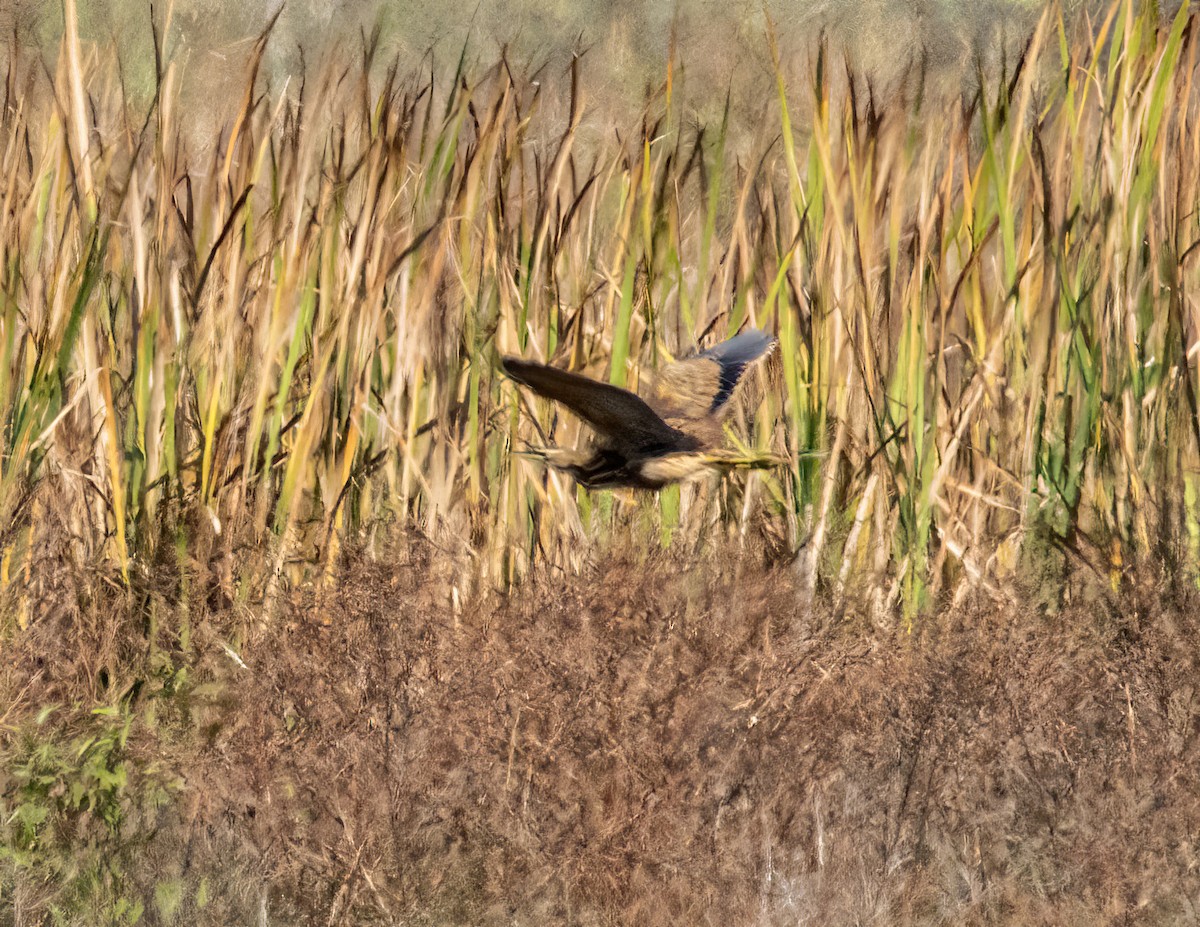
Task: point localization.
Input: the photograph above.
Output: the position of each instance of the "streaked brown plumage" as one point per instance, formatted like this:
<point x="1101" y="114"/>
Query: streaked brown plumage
<point x="673" y="434"/>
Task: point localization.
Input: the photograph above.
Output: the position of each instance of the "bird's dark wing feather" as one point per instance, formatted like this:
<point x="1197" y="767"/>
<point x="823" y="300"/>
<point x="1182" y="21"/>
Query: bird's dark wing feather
<point x="734" y="356"/>
<point x="700" y="385"/>
<point x="616" y="414"/>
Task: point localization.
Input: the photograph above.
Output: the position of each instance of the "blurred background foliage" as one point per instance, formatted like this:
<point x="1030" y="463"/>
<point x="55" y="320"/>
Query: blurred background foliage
<point x="721" y="45"/>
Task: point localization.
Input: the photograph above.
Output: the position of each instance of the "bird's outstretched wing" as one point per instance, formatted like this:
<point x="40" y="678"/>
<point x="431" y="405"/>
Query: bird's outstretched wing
<point x="701" y="385"/>
<point x="616" y="415"/>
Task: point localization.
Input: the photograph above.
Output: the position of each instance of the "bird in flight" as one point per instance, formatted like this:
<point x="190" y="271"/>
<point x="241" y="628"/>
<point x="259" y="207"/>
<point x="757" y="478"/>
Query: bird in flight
<point x="672" y="435"/>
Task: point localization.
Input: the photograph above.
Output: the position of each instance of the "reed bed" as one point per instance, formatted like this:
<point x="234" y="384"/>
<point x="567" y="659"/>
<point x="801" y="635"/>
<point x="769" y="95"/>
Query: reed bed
<point x="241" y="351"/>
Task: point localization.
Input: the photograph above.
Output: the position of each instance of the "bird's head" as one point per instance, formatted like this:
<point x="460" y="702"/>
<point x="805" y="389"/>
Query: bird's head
<point x="561" y="458"/>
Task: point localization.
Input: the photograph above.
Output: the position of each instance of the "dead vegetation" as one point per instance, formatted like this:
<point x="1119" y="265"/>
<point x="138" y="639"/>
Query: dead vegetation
<point x="289" y="634"/>
<point x="653" y="745"/>
<point x="284" y="336"/>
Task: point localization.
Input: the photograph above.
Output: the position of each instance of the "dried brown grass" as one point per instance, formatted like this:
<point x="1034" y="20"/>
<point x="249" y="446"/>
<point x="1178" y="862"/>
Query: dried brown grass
<point x="259" y="494"/>
<point x="662" y="743"/>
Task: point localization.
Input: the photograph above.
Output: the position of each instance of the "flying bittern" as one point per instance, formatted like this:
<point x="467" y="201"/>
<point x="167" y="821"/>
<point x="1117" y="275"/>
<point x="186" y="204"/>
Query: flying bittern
<point x="672" y="435"/>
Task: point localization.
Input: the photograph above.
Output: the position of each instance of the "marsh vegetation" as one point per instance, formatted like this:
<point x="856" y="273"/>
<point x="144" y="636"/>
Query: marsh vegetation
<point x="259" y="505"/>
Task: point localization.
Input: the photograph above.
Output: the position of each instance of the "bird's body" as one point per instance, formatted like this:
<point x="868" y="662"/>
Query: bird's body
<point x="673" y="434"/>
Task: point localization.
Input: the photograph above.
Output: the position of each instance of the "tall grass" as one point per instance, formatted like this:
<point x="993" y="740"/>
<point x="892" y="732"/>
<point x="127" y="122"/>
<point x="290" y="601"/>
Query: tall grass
<point x="240" y="351"/>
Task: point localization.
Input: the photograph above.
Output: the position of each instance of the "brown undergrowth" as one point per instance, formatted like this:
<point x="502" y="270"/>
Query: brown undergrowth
<point x="645" y="744"/>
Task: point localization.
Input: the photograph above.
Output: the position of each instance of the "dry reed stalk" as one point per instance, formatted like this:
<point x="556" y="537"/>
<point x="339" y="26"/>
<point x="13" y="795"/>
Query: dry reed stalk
<point x="986" y="311"/>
